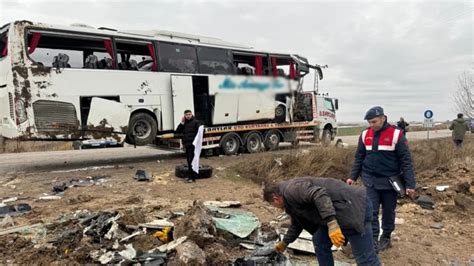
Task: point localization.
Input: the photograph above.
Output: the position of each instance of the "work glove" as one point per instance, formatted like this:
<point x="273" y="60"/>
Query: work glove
<point x="281" y="246"/>
<point x="335" y="233"/>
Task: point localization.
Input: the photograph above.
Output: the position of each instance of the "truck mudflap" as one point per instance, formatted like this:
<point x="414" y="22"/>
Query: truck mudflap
<point x="107" y="120"/>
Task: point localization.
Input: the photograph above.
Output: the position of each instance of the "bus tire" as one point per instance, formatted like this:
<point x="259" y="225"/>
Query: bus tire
<point x="142" y="129"/>
<point x="253" y="142"/>
<point x="230" y="143"/>
<point x="205" y="171"/>
<point x="271" y="140"/>
<point x="280" y="114"/>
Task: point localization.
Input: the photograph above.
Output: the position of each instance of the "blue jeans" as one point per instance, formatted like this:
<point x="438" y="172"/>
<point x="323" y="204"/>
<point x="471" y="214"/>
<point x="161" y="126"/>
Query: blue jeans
<point x="388" y="200"/>
<point x="362" y="244"/>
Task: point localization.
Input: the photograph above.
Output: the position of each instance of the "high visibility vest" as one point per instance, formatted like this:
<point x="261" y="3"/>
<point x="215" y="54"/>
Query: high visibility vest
<point x="387" y="141"/>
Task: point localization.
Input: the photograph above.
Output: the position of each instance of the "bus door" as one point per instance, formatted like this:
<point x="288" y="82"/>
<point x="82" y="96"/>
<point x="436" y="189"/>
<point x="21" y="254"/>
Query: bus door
<point x="182" y="91"/>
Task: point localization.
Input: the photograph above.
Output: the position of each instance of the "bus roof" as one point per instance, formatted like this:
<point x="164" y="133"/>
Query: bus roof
<point x="159" y="35"/>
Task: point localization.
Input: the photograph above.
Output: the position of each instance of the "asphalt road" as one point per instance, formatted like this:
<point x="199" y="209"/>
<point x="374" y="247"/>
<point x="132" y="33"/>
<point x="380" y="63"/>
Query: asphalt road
<point x="57" y="160"/>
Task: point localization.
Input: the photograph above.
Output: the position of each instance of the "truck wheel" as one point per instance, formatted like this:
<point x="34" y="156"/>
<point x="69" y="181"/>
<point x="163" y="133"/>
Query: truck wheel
<point x="326" y="138"/>
<point x="230" y="143"/>
<point x="142" y="129"/>
<point x="280" y="114"/>
<point x="254" y="142"/>
<point x="272" y="140"/>
<point x="205" y="171"/>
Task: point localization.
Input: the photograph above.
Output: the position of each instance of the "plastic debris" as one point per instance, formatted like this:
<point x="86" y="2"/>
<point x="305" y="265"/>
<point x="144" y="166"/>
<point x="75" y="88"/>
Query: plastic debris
<point x="143" y="175"/>
<point x="14" y="210"/>
<point x="9" y="200"/>
<point x="50" y="197"/>
<point x="167" y="248"/>
<point x="442" y="188"/>
<point x="265" y="255"/>
<point x="223" y="204"/>
<point x="437" y="226"/>
<point x="237" y="222"/>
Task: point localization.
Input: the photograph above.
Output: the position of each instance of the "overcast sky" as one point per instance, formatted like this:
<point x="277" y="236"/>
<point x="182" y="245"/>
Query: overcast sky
<point x="402" y="55"/>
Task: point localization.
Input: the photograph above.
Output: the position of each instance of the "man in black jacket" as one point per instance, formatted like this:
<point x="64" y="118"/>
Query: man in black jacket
<point x="328" y="209"/>
<point x="382" y="153"/>
<point x="189" y="127"/>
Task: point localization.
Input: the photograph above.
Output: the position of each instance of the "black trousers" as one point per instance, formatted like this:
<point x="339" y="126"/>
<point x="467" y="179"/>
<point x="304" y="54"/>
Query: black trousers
<point x="189" y="158"/>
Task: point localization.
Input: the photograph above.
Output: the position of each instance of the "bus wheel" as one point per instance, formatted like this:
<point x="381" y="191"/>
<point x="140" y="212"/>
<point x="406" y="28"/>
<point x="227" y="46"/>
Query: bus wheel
<point x="280" y="114"/>
<point x="326" y="138"/>
<point x="142" y="129"/>
<point x="272" y="140"/>
<point x="254" y="142"/>
<point x="230" y="143"/>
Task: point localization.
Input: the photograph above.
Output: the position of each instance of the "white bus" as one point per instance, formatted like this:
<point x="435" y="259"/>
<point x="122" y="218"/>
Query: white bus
<point x="77" y="82"/>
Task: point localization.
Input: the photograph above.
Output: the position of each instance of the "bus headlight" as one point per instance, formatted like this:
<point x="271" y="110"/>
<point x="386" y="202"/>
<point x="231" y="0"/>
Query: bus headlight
<point x="20" y="111"/>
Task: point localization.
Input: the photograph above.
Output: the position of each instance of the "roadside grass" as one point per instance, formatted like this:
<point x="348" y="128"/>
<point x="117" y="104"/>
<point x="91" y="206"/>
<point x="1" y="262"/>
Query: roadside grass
<point x="337" y="163"/>
<point x="349" y="131"/>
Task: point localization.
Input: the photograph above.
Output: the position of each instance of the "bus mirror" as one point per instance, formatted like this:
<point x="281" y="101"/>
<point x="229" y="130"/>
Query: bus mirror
<point x="336" y="104"/>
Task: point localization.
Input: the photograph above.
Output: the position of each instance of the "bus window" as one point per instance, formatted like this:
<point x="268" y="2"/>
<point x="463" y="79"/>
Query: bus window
<point x="214" y="61"/>
<point x="54" y="50"/>
<point x="248" y="64"/>
<point x="283" y="67"/>
<point x="136" y="56"/>
<point x="3" y="44"/>
<point x="175" y="57"/>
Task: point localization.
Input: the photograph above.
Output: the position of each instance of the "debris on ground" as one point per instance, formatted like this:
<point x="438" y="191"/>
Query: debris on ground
<point x="237" y="222"/>
<point x="50" y="197"/>
<point x="265" y="255"/>
<point x="425" y="202"/>
<point x="14" y="210"/>
<point x="223" y="204"/>
<point x="143" y="175"/>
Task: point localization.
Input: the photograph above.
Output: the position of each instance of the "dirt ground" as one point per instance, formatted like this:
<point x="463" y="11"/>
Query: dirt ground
<point x="415" y="242"/>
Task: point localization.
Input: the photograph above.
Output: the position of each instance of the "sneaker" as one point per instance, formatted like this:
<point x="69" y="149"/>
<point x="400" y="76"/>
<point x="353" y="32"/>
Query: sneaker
<point x="384" y="243"/>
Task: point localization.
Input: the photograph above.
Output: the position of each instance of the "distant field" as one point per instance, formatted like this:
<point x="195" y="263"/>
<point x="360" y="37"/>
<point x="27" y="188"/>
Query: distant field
<point x="349" y="131"/>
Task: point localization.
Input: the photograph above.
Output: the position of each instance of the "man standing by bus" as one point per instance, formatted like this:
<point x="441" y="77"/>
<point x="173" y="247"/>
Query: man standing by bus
<point x="189" y="127"/>
<point x="382" y="154"/>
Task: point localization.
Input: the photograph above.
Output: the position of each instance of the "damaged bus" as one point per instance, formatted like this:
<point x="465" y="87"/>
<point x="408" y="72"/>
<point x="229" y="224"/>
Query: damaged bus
<point x="77" y="82"/>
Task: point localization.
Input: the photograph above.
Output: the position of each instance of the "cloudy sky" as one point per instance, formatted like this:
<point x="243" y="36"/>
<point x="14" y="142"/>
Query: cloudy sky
<point x="402" y="55"/>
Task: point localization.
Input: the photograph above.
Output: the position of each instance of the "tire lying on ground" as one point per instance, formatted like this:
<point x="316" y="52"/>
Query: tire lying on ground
<point x="205" y="171"/>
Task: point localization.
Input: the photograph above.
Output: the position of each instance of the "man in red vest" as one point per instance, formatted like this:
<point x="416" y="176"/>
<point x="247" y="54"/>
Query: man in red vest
<point x="382" y="153"/>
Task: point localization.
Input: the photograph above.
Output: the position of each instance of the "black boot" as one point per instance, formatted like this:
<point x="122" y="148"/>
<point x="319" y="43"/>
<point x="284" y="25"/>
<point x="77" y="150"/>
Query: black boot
<point x="385" y="242"/>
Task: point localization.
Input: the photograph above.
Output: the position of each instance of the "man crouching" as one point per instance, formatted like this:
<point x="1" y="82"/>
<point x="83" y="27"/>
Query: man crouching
<point x="331" y="211"/>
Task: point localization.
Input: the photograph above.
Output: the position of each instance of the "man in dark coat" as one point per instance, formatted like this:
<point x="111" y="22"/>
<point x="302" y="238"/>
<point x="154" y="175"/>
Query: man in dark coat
<point x="328" y="209"/>
<point x="189" y="127"/>
<point x="459" y="128"/>
<point x="403" y="125"/>
<point x="382" y="153"/>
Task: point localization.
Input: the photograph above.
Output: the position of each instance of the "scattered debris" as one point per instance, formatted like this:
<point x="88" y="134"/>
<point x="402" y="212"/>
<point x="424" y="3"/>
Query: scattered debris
<point x="7" y="222"/>
<point x="171" y="246"/>
<point x="425" y="202"/>
<point x="101" y="225"/>
<point x="143" y="175"/>
<point x="442" y="188"/>
<point x="20" y="229"/>
<point x="265" y="255"/>
<point x="237" y="222"/>
<point x="303" y="243"/>
<point x="278" y="161"/>
<point x="10" y="200"/>
<point x="223" y="204"/>
<point x="50" y="197"/>
<point x="437" y="225"/>
<point x="14" y="210"/>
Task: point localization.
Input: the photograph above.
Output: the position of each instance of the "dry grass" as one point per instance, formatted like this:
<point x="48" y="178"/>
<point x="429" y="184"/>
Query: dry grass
<point x="13" y="146"/>
<point x="337" y="163"/>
